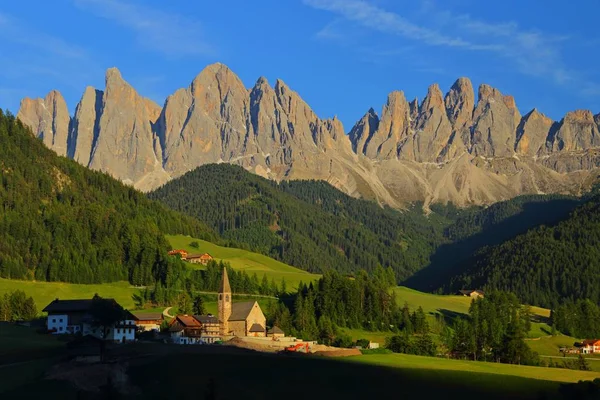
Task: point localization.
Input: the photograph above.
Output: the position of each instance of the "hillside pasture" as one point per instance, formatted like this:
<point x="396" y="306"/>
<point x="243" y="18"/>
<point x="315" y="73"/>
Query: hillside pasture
<point x="45" y="292"/>
<point x="244" y="260"/>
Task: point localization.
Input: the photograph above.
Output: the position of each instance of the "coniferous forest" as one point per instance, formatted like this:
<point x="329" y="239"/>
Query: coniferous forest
<point x="307" y="224"/>
<point x="545" y="266"/>
<point x="63" y="222"/>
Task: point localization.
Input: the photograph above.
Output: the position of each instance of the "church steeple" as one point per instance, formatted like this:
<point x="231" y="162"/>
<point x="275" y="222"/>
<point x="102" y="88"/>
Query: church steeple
<point x="224" y="303"/>
<point x="225" y="288"/>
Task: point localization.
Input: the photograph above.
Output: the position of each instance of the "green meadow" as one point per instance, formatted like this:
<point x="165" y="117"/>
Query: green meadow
<point x="44" y="292"/>
<point x="406" y="361"/>
<point x="244" y="260"/>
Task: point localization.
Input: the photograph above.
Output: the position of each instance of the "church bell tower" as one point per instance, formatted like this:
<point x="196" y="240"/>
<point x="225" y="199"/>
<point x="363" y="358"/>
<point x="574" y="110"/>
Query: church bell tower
<point x="224" y="304"/>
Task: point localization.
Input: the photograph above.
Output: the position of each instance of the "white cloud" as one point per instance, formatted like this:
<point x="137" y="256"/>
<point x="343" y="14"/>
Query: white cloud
<point x="156" y="30"/>
<point x="532" y="52"/>
<point x="384" y="21"/>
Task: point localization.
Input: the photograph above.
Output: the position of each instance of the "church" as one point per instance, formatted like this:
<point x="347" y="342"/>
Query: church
<point x="239" y="319"/>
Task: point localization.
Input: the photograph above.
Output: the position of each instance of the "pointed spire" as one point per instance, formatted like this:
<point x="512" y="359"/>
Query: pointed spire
<point x="225" y="288"/>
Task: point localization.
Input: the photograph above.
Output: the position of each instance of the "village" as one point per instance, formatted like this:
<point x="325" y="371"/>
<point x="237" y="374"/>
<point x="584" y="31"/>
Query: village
<point x="241" y="324"/>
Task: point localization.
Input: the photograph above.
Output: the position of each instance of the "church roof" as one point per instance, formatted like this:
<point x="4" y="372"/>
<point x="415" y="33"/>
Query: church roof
<point x="240" y="311"/>
<point x="225" y="288"/>
<point x="257" y="328"/>
<point x="276" y="330"/>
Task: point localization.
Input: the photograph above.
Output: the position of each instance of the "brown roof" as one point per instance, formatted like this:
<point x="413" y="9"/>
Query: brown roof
<point x="225" y="288"/>
<point x="141" y="316"/>
<point x="590" y="342"/>
<point x="257" y="328"/>
<point x="176" y="327"/>
<point x="58" y="306"/>
<point x="81" y="305"/>
<point x="188" y="321"/>
<point x="240" y="311"/>
<point x="276" y="330"/>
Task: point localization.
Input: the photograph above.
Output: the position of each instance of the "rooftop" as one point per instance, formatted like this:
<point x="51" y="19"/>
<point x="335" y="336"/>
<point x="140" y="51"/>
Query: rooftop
<point x="257" y="328"/>
<point x="240" y="311"/>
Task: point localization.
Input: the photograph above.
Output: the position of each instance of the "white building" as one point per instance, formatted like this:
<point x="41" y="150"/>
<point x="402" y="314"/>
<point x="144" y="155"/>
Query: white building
<point x="73" y="316"/>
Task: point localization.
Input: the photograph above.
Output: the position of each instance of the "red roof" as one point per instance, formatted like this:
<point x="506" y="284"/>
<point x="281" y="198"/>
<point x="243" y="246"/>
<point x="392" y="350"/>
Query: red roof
<point x="591" y="342"/>
<point x="188" y="321"/>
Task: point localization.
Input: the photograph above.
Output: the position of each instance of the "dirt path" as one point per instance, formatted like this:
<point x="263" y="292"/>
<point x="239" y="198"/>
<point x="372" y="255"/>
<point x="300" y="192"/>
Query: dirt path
<point x="166" y="313"/>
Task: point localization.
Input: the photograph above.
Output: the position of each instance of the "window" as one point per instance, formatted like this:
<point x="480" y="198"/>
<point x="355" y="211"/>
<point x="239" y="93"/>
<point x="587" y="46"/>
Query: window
<point x="118" y="331"/>
<point x="60" y="328"/>
<point x="220" y="296"/>
<point x="226" y="297"/>
<point x="60" y="320"/>
<point x="53" y="320"/>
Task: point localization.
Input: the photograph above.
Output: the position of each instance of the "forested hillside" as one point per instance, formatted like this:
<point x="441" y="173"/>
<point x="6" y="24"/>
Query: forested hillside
<point x="544" y="266"/>
<point x="307" y="224"/>
<point x="475" y="228"/>
<point x="63" y="222"/>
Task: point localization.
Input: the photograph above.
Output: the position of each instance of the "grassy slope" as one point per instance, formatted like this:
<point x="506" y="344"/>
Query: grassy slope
<point x="419" y="362"/>
<point x="44" y="292"/>
<point x="246" y="260"/>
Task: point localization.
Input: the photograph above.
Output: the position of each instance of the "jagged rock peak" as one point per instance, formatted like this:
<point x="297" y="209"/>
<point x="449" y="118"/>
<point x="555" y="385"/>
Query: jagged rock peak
<point x="536" y="114"/>
<point x="584" y="116"/>
<point x="262" y="81"/>
<point x="48" y="118"/>
<point x="434" y="98"/>
<point x="460" y="102"/>
<point x="219" y="75"/>
<point x="487" y="92"/>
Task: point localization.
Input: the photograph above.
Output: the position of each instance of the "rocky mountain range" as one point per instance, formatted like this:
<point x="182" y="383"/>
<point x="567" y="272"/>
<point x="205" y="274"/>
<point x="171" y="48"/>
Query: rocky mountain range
<point x="446" y="148"/>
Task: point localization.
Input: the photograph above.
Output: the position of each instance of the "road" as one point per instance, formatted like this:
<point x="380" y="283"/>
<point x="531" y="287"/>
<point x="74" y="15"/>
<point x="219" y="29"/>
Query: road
<point x="166" y="313"/>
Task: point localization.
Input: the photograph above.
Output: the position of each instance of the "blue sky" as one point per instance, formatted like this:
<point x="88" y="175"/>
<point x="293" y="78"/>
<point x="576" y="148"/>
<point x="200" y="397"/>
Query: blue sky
<point x="342" y="56"/>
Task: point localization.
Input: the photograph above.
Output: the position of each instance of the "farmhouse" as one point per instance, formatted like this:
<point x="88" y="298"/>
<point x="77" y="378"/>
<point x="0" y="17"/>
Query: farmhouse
<point x="210" y="327"/>
<point x="591" y="346"/>
<point x="73" y="316"/>
<point x="182" y="253"/>
<point x="185" y="329"/>
<point x="474" y="294"/>
<point x="198" y="258"/>
<point x="239" y="319"/>
<point x="148" y="321"/>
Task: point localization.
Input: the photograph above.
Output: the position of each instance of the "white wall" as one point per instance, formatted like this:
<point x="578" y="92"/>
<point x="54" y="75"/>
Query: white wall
<point x="58" y="323"/>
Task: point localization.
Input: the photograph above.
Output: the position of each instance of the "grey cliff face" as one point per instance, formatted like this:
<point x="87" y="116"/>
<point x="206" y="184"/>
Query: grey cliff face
<point x="446" y="148"/>
<point x="49" y="120"/>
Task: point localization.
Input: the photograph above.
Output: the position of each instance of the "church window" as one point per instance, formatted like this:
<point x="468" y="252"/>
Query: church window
<point x="220" y="297"/>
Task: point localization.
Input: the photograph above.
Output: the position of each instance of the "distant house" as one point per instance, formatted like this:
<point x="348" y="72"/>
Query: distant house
<point x="475" y="294"/>
<point x="185" y="329"/>
<point x="210" y="328"/>
<point x="590" y="346"/>
<point x="199" y="258"/>
<point x="275" y="332"/>
<point x="182" y="253"/>
<point x="73" y="316"/>
<point x="148" y="321"/>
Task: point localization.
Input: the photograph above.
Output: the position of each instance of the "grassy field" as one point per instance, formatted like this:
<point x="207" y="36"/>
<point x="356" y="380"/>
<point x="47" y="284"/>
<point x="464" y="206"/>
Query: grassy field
<point x="246" y="260"/>
<point x="432" y="303"/>
<point x="44" y="292"/>
<point x="431" y="363"/>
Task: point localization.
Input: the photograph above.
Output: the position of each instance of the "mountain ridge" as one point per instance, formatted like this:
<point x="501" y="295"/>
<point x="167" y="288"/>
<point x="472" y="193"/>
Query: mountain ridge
<point x="448" y="148"/>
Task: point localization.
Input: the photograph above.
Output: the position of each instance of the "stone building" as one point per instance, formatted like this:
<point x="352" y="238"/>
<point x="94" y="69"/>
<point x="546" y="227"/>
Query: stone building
<point x="239" y="319"/>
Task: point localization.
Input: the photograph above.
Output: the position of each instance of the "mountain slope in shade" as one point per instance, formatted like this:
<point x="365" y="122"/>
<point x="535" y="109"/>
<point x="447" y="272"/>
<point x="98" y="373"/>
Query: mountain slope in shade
<point x="448" y="148"/>
<point x="545" y="266"/>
